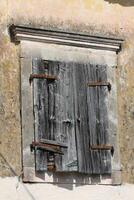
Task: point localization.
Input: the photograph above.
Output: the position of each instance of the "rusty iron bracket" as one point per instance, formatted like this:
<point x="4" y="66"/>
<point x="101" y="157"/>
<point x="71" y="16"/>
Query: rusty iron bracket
<point x="42" y="76"/>
<point x="54" y="143"/>
<point x="100" y="83"/>
<point x="103" y="147"/>
<point x="46" y="147"/>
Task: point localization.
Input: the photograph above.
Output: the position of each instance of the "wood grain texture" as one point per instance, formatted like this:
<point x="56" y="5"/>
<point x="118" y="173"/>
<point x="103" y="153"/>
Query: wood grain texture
<point x="54" y="115"/>
<point x="40" y="97"/>
<point x="68" y="111"/>
<point x="65" y="130"/>
<point x="98" y="120"/>
<point x="82" y="129"/>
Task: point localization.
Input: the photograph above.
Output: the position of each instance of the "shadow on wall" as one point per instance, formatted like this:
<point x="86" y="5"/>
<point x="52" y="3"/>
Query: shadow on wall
<point x="122" y="2"/>
<point x="69" y="180"/>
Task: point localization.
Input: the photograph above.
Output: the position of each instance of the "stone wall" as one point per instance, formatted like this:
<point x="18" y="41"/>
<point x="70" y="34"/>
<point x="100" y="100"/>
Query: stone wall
<point x="104" y="18"/>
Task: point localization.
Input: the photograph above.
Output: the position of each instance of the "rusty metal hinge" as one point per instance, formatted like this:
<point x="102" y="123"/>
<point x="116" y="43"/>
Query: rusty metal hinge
<point x="46" y="147"/>
<point x="100" y="83"/>
<point x="103" y="147"/>
<point x="42" y="76"/>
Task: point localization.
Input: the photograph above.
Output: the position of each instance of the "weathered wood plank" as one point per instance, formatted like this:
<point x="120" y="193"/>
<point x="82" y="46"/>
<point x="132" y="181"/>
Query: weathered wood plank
<point x="54" y="115"/>
<point x="98" y="122"/>
<point x="51" y="117"/>
<point x="105" y="156"/>
<point x="72" y="162"/>
<point x="82" y="131"/>
<point x="27" y="112"/>
<point x="59" y="135"/>
<point x="65" y="119"/>
<point x="69" y="112"/>
<point x="40" y="111"/>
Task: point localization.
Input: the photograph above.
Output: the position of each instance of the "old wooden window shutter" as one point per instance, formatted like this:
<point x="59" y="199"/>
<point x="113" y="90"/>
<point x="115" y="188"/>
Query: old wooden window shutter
<point x="71" y="117"/>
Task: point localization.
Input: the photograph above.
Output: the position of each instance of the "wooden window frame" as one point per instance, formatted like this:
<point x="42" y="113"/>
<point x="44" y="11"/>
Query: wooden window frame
<point x="108" y="47"/>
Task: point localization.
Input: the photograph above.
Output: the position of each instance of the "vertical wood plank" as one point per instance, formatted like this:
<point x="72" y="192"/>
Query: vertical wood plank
<point x="72" y="162"/>
<point x="59" y="104"/>
<point x="51" y="117"/>
<point x="27" y="113"/>
<point x="82" y="128"/>
<point x="40" y="113"/>
<point x="105" y="156"/>
<point x="65" y="119"/>
<point x="98" y="123"/>
<point x="93" y="112"/>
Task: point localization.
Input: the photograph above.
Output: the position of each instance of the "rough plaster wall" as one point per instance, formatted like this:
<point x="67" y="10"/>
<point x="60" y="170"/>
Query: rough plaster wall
<point x="103" y="17"/>
<point x="9" y="101"/>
